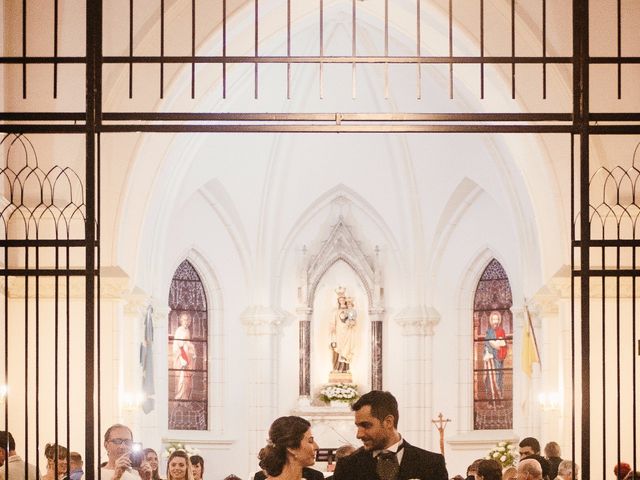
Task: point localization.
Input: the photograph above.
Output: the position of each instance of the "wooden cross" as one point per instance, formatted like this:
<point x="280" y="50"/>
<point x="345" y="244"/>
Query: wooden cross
<point x="441" y="424"/>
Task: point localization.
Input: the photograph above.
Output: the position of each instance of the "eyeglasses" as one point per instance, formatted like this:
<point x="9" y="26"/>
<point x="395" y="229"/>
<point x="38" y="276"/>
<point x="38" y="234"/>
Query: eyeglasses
<point x="120" y="441"/>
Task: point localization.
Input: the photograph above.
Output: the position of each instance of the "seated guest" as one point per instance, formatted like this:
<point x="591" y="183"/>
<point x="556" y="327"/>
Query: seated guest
<point x="16" y="467"/>
<point x="530" y="449"/>
<point x="118" y="441"/>
<point x="197" y="466"/>
<point x="489" y="470"/>
<point x="232" y="477"/>
<point x="56" y="456"/>
<point x="179" y="466"/>
<point x="291" y="448"/>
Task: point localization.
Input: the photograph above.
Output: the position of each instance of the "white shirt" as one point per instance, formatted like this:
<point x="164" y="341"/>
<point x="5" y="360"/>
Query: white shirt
<point x="108" y="473"/>
<point x="393" y="448"/>
<point x="16" y="469"/>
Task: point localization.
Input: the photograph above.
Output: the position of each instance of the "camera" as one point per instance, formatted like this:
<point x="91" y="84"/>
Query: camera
<point x="136" y="455"/>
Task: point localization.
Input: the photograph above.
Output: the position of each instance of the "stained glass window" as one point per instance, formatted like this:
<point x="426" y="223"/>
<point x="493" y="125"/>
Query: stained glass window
<point x="187" y="349"/>
<point x="493" y="351"/>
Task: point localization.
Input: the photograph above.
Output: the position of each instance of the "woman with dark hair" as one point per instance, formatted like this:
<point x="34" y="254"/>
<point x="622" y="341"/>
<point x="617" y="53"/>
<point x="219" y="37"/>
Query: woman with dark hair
<point x="179" y="466"/>
<point x="291" y="447"/>
<point x="489" y="470"/>
<point x="197" y="466"/>
<point x="151" y="456"/>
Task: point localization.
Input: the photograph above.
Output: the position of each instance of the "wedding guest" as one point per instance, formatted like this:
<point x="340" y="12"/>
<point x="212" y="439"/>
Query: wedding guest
<point x="621" y="470"/>
<point x="17" y="468"/>
<point x="290" y="448"/>
<point x="197" y="466"/>
<point x="552" y="454"/>
<point x="118" y="441"/>
<point x="489" y="470"/>
<point x="567" y="470"/>
<point x="472" y="470"/>
<point x="76" y="465"/>
<point x="385" y="454"/>
<point x="510" y="473"/>
<point x="530" y="449"/>
<point x="529" y="469"/>
<point x="151" y="456"/>
<point x="56" y="456"/>
<point x="179" y="466"/>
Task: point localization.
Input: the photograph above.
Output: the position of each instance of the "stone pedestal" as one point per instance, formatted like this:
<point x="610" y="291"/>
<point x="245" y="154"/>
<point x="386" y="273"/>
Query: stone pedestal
<point x="340" y="377"/>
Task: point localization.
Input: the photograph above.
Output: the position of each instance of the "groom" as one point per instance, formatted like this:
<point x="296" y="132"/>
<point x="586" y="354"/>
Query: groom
<point x="385" y="455"/>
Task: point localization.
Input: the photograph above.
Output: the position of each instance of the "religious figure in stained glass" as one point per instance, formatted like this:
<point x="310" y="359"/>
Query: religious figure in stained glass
<point x="188" y="390"/>
<point x="184" y="358"/>
<point x="492" y="350"/>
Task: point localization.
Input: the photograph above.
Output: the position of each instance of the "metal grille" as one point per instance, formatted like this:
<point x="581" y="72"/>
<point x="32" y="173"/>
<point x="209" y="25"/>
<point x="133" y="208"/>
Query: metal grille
<point x="575" y="38"/>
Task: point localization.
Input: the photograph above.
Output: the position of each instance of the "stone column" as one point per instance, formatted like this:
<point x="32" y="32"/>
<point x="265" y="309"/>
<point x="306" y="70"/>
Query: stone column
<point x="130" y="384"/>
<point x="304" y="345"/>
<point x="375" y="317"/>
<point x="417" y="411"/>
<point x="262" y="325"/>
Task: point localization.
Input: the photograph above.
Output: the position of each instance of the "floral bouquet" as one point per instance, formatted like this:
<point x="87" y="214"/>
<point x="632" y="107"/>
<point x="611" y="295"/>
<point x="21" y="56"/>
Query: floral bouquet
<point x="504" y="453"/>
<point x="341" y="392"/>
<point x="174" y="446"/>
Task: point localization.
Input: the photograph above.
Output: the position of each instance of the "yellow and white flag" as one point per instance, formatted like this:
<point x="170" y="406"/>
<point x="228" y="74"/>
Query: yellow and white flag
<point x="530" y="353"/>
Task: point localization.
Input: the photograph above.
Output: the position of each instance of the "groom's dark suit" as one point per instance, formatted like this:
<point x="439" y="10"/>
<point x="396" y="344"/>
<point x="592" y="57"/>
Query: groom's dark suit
<point x="416" y="463"/>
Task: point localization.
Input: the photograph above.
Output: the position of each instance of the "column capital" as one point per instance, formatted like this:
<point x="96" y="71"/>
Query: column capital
<point x="418" y="320"/>
<point x="262" y="320"/>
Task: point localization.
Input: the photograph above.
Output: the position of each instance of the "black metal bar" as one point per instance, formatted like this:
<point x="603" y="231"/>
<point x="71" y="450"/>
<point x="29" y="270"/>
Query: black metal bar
<point x="223" y="59"/>
<point x="93" y="110"/>
<point x="193" y="48"/>
<point x="482" y="48"/>
<point x="544" y="49"/>
<point x="224" y="48"/>
<point x="55" y="48"/>
<point x="344" y="117"/>
<point x="451" y="49"/>
<point x="353" y="48"/>
<point x="350" y="59"/>
<point x="288" y="49"/>
<point x="42" y="243"/>
<point x="162" y="48"/>
<point x="386" y="48"/>
<point x="341" y="128"/>
<point x="513" y="49"/>
<point x="580" y="110"/>
<point x="321" y="72"/>
<point x="619" y="49"/>
<point x="42" y="116"/>
<point x="24" y="49"/>
<point x="130" y="48"/>
<point x="418" y="50"/>
<point x="255" y="49"/>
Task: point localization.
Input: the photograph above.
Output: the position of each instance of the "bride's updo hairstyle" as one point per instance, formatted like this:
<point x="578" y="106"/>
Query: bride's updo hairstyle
<point x="285" y="432"/>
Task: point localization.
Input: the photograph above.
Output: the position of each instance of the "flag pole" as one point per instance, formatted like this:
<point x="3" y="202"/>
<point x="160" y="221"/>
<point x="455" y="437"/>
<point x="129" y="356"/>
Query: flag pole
<point x="533" y="333"/>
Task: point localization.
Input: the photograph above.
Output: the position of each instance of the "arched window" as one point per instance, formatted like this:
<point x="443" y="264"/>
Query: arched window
<point x="493" y="351"/>
<point x="188" y="359"/>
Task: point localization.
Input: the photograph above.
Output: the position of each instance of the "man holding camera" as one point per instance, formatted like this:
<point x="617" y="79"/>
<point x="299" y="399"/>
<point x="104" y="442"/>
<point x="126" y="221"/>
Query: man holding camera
<point x="118" y="441"/>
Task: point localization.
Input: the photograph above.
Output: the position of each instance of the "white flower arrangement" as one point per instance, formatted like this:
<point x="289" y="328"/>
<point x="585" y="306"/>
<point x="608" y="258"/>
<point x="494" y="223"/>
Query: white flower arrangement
<point x="342" y="392"/>
<point x="174" y="446"/>
<point x="504" y="453"/>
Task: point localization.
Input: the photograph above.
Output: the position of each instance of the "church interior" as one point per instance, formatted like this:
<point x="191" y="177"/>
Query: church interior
<point x="214" y="211"/>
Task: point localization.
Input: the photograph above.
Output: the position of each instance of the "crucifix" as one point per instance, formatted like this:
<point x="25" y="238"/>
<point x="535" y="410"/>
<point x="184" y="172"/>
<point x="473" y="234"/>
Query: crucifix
<point x="441" y="424"/>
